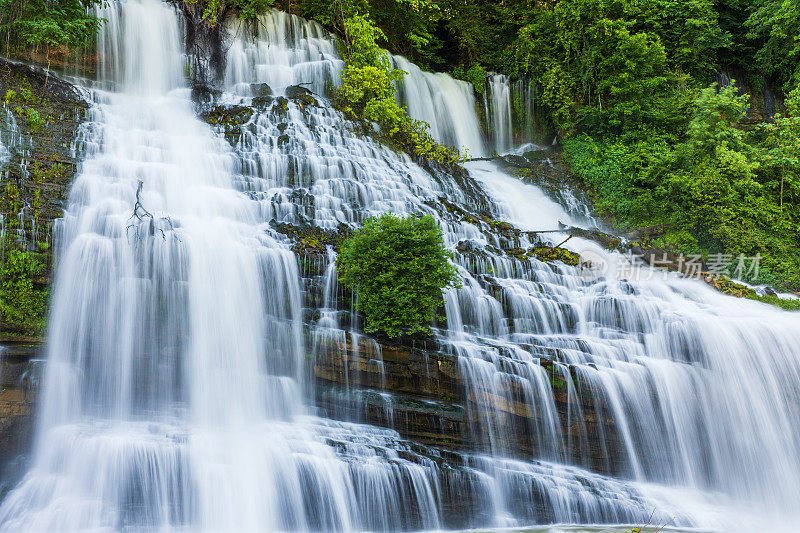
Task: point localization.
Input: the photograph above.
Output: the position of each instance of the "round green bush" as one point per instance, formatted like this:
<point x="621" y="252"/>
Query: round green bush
<point x="398" y="267"/>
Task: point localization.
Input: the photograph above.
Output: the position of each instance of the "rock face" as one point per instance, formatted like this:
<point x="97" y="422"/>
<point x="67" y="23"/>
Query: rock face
<point x="19" y="383"/>
<point x="40" y="117"/>
<point x="39" y="132"/>
<point x="422" y="394"/>
<point x="39" y="152"/>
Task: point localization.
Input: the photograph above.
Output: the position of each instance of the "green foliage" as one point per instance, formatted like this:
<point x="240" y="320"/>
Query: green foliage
<point x="776" y="24"/>
<point x="780" y="155"/>
<point x="398" y="268"/>
<point x="689" y="30"/>
<point x="475" y="74"/>
<point x="368" y="88"/>
<point x="216" y="11"/>
<point x="716" y="191"/>
<point x="599" y="73"/>
<point x="43" y="23"/>
<point x="22" y="304"/>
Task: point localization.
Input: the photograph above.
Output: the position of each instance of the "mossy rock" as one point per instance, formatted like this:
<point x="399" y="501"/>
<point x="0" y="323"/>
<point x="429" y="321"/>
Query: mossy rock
<point x="727" y="286"/>
<point x="294" y="92"/>
<point x="548" y="254"/>
<point x="260" y="89"/>
<point x="731" y="288"/>
<point x="281" y="106"/>
<point x="518" y="253"/>
<point x="262" y="102"/>
<point x="228" y="116"/>
<point x="312" y="240"/>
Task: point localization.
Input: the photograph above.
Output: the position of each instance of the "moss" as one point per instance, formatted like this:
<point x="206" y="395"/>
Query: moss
<point x="548" y="254"/>
<point x="48" y="112"/>
<point x="788" y="305"/>
<point x="228" y="116"/>
<point x="518" y="253"/>
<point x="308" y="240"/>
<point x="731" y="288"/>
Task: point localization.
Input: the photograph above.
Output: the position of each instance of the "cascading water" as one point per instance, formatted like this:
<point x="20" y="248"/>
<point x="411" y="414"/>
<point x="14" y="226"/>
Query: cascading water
<point x="174" y="395"/>
<point x="314" y="60"/>
<point x="173" y="392"/>
<point x="498" y="112"/>
<point x="446" y="104"/>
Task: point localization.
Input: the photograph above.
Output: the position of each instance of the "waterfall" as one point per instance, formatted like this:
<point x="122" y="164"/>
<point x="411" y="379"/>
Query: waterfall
<point x="284" y="51"/>
<point x="446" y="104"/>
<point x="177" y="393"/>
<point x="498" y="112"/>
<point x="173" y="391"/>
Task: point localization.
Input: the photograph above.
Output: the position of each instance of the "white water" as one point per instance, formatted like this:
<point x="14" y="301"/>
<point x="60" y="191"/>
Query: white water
<point x="174" y="395"/>
<point x="312" y="57"/>
<point x="446" y="104"/>
<point x="498" y="112"/>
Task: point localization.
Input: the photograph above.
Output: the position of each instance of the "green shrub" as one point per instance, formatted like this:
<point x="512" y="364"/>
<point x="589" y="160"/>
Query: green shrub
<point x="23" y="305"/>
<point x="398" y="268"/>
<point x="475" y="74"/>
<point x="368" y="88"/>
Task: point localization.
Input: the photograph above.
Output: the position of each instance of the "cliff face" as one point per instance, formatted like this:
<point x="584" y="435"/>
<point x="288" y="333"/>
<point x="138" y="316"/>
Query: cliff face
<point x="424" y="395"/>
<point x="39" y="124"/>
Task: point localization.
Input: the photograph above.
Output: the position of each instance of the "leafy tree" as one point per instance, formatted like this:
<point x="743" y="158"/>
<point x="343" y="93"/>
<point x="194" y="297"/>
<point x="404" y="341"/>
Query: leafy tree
<point x="368" y="89"/>
<point x="688" y="29"/>
<point x="410" y="27"/>
<point x="216" y="11"/>
<point x="777" y="24"/>
<point x="398" y="268"/>
<point x="43" y="23"/>
<point x="781" y="148"/>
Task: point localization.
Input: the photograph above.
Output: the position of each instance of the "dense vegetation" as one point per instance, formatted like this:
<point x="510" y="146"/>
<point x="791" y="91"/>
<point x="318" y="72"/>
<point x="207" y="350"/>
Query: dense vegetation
<point x="46" y="24"/>
<point x="630" y="88"/>
<point x="23" y="302"/>
<point x="368" y="89"/>
<point x="397" y="267"/>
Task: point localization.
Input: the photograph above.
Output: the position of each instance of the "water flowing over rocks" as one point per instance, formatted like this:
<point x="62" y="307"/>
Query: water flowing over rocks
<point x="205" y="371"/>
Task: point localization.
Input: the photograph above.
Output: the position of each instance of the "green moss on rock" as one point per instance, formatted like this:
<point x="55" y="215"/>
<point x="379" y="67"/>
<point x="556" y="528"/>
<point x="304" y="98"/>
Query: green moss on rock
<point x="549" y="254"/>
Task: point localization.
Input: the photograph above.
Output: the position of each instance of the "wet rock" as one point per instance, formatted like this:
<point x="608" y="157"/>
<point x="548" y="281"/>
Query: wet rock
<point x="203" y="93"/>
<point x="547" y="254"/>
<point x="262" y="102"/>
<point x="234" y="115"/>
<point x="280" y="107"/>
<point x="312" y="240"/>
<point x="260" y="89"/>
<point x="296" y="91"/>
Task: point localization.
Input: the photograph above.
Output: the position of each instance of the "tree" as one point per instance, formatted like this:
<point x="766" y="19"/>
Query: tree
<point x="713" y="183"/>
<point x="42" y="23"/>
<point x="782" y="145"/>
<point x="398" y="268"/>
<point x="777" y="24"/>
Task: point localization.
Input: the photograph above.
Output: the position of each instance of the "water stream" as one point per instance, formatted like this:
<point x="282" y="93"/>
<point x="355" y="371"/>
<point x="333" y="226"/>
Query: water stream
<point x="177" y="394"/>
